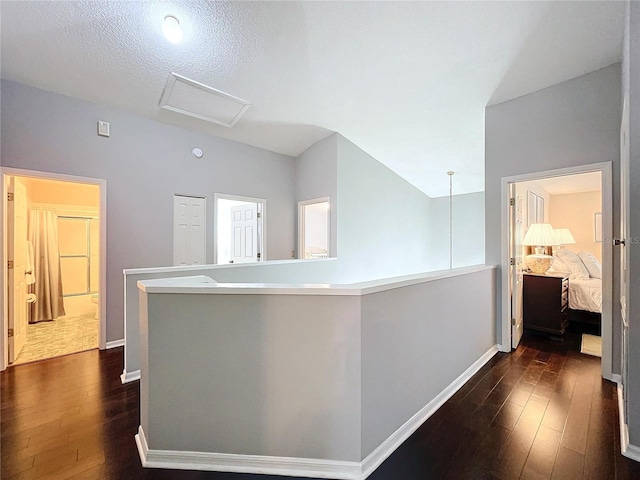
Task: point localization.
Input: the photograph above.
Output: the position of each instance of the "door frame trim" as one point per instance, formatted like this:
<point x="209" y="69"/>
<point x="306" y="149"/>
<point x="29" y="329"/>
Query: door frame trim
<point x="102" y="288"/>
<point x="605" y="168"/>
<point x="262" y="225"/>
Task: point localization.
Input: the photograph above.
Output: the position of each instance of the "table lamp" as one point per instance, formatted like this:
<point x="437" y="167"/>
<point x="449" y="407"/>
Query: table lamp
<point x="563" y="237"/>
<point x="539" y="235"/>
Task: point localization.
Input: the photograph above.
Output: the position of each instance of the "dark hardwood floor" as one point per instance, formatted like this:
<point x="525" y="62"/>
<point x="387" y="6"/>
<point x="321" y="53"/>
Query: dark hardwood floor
<point x="542" y="412"/>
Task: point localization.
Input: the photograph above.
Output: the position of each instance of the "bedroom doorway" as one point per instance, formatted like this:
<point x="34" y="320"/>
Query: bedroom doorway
<point x="56" y="293"/>
<point x="575" y="205"/>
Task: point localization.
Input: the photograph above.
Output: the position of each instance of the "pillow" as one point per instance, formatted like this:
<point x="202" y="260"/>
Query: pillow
<point x="591" y="263"/>
<point x="558" y="265"/>
<point x="572" y="260"/>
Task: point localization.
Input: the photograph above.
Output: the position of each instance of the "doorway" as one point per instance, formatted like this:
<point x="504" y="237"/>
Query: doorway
<point x="579" y="200"/>
<point x="55" y="235"/>
<point x="314" y="224"/>
<point x="240" y="229"/>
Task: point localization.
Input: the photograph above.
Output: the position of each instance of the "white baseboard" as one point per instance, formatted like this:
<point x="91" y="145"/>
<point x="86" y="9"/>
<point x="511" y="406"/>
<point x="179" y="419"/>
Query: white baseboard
<point x="115" y="343"/>
<point x="258" y="464"/>
<point x="628" y="450"/>
<point x="127" y="377"/>
<point x="390" y="445"/>
<point x="303" y="467"/>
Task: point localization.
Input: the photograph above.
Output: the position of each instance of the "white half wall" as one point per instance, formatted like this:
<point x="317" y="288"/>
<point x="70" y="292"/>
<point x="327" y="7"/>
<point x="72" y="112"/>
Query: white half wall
<point x="331" y="393"/>
<point x="415" y="341"/>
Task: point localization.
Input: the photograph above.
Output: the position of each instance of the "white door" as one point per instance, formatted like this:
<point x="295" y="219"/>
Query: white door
<point x="189" y="227"/>
<point x="244" y="233"/>
<point x="515" y="269"/>
<point x="17" y="246"/>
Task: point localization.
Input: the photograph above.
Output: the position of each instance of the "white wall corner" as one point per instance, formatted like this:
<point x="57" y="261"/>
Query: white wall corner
<point x="115" y="343"/>
<point x="127" y="377"/>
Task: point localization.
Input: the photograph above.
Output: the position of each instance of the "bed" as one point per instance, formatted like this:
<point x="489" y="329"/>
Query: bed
<point x="585" y="294"/>
<point x="585" y="291"/>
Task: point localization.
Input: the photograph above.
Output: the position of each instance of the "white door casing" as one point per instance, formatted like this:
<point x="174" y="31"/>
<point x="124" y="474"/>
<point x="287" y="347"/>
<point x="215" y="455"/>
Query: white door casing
<point x="244" y="233"/>
<point x="17" y="255"/>
<point x="516" y="268"/>
<point x="189" y="230"/>
<point x="505" y="332"/>
<point x="624" y="231"/>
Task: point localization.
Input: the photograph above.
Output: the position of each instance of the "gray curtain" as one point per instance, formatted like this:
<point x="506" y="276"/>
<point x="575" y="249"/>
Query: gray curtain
<point x="43" y="234"/>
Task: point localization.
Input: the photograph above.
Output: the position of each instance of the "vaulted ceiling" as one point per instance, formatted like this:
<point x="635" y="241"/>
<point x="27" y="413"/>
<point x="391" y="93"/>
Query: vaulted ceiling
<point x="406" y="81"/>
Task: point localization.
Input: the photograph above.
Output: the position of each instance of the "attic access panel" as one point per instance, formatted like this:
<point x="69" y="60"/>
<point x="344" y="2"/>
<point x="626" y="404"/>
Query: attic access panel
<point x="194" y="99"/>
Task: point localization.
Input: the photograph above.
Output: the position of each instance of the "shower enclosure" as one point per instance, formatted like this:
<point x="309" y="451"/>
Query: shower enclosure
<point x="79" y="261"/>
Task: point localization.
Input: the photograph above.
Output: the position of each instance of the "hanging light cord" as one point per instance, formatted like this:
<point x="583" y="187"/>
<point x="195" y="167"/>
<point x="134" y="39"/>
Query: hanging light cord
<point x="450" y="219"/>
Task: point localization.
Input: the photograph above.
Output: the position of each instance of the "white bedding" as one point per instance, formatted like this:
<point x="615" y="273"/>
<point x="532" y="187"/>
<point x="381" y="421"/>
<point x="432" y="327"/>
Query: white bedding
<point x="585" y="294"/>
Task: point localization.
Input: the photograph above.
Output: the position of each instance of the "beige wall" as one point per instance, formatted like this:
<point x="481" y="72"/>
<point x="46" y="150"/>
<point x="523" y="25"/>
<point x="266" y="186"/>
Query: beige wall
<point x="62" y="193"/>
<point x="576" y="211"/>
<point x="522" y="191"/>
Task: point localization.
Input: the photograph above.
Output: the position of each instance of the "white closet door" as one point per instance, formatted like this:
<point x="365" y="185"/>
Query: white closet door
<point x="197" y="225"/>
<point x="189" y="227"/>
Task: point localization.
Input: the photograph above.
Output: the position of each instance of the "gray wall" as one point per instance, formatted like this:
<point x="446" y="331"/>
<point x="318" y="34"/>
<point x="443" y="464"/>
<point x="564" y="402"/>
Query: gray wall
<point x="416" y="341"/>
<point x="282" y="384"/>
<point x="317" y="176"/>
<point x="383" y="222"/>
<point x="631" y="86"/>
<point x="144" y="162"/>
<point x="573" y="123"/>
<point x="468" y="231"/>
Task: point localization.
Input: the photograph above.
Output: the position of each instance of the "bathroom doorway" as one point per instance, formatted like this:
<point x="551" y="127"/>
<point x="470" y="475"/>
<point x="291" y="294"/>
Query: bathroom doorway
<point x="60" y="265"/>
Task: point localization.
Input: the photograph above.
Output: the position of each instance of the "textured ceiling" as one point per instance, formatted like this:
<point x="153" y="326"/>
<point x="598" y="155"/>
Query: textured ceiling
<point x="405" y="81"/>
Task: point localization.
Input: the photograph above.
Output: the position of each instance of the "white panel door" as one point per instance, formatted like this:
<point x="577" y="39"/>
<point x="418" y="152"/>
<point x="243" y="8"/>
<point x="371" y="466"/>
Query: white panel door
<point x="189" y="227"/>
<point x="197" y="237"/>
<point x="515" y="247"/>
<point x="17" y="246"/>
<point x="244" y="233"/>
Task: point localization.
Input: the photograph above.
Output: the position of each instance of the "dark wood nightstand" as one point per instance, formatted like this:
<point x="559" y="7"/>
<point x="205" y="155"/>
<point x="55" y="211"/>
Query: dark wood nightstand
<point x="546" y="303"/>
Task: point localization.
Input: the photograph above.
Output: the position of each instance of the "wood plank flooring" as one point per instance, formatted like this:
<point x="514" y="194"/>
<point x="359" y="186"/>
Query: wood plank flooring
<point x="541" y="412"/>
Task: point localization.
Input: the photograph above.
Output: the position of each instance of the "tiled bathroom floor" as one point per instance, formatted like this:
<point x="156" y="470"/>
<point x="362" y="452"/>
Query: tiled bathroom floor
<point x="61" y="336"/>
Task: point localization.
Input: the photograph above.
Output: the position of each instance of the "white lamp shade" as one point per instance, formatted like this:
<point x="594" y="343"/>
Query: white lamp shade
<point x="540" y="235"/>
<point x="563" y="236"/>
